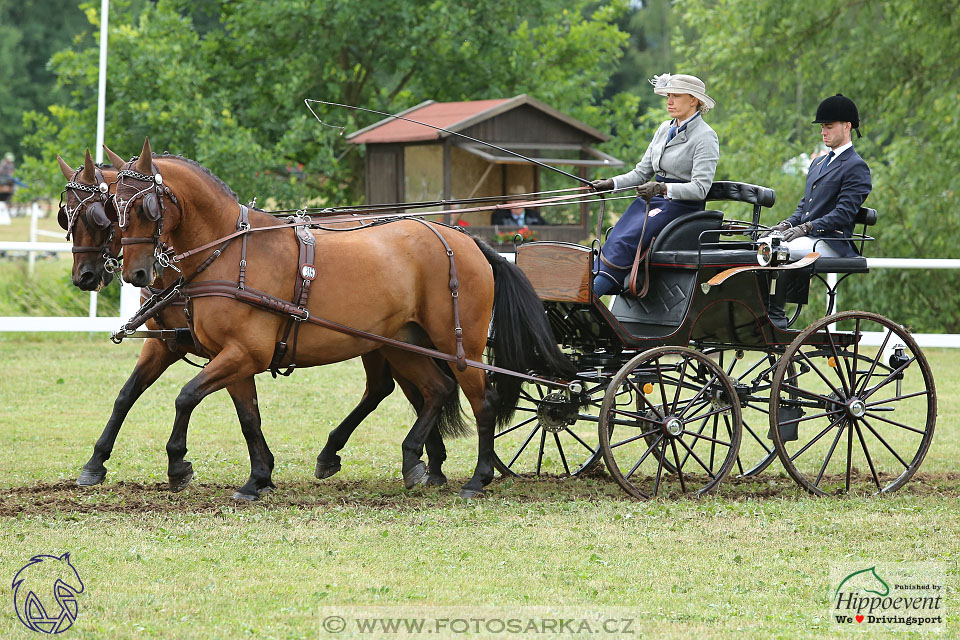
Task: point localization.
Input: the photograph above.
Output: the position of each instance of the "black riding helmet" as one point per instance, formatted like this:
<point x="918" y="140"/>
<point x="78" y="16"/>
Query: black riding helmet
<point x="839" y="108"/>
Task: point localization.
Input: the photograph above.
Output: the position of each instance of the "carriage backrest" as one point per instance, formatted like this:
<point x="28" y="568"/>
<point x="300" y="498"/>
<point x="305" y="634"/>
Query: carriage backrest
<point x="741" y="192"/>
<point x="684" y="232"/>
<point x="866" y="216"/>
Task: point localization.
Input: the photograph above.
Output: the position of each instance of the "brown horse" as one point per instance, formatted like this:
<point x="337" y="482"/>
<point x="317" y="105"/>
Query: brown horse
<point x="393" y="280"/>
<point x="89" y="216"/>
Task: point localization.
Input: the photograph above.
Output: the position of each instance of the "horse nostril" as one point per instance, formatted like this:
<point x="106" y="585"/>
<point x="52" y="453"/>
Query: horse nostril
<point x="140" y="276"/>
<point x="87" y="279"/>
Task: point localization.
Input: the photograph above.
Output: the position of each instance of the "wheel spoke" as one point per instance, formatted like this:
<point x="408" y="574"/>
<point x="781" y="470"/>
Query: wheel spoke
<point x="837" y="361"/>
<point x="811" y="417"/>
<point x="644" y="456"/>
<point x="676" y="458"/>
<point x="760" y="441"/>
<point x="635" y="438"/>
<point x="726" y="423"/>
<point x="810" y="394"/>
<point x="697" y="458"/>
<point x="873" y="365"/>
<point x="889" y="377"/>
<point x="635" y="416"/>
<point x="925" y="392"/>
<point x="524" y="445"/>
<point x="816" y="370"/>
<point x="556" y="437"/>
<point x="829" y="455"/>
<point x="656" y="482"/>
<point x="683" y="371"/>
<point x="543" y="441"/>
<point x="895" y="423"/>
<point x="884" y="442"/>
<point x="849" y="452"/>
<point x="516" y="426"/>
<point x="580" y="440"/>
<point x="700" y="435"/>
<point x="817" y="437"/>
<point x="866" y="453"/>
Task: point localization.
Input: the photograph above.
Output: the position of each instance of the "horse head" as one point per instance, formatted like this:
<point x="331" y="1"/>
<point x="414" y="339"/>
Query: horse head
<point x="155" y="197"/>
<point x="88" y="216"/>
<point x="148" y="211"/>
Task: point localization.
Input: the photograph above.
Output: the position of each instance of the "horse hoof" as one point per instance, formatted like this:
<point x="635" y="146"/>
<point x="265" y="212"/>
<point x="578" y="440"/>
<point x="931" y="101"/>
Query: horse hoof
<point x="91" y="478"/>
<point x="325" y="470"/>
<point x="415" y="476"/>
<point x="436" y="480"/>
<point x="469" y="494"/>
<point x="180" y="483"/>
<point x="246" y="497"/>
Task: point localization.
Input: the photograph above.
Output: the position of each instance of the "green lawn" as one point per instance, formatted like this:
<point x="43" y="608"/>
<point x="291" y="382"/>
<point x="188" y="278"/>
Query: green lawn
<point x="752" y="561"/>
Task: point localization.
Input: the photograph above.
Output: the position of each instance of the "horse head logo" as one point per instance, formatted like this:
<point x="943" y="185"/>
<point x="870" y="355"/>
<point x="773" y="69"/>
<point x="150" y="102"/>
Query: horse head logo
<point x="45" y="593"/>
<point x="865" y="580"/>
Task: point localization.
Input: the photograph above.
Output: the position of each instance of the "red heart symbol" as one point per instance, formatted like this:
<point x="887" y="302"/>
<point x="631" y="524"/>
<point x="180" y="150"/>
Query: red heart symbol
<point x="859" y="618"/>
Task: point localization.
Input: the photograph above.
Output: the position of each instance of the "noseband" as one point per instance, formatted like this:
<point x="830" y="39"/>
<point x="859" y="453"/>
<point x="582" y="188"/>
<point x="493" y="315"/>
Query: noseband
<point x="155" y="189"/>
<point x="70" y="216"/>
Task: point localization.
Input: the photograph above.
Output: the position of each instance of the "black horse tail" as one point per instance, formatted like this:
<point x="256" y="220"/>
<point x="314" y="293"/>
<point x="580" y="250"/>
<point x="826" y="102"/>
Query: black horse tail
<point x="451" y="422"/>
<point x="521" y="337"/>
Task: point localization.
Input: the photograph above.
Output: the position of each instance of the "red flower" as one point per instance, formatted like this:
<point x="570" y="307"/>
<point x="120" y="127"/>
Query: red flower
<point x="463" y="223"/>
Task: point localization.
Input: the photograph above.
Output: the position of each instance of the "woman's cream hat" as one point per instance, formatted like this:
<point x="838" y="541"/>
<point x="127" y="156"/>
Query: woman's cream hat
<point x="681" y="83"/>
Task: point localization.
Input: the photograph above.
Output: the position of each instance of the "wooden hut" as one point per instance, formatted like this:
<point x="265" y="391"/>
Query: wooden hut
<point x="408" y="162"/>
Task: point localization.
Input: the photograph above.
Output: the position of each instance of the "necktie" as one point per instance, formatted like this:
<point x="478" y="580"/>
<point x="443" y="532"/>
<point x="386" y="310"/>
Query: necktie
<point x="823" y="166"/>
<point x="672" y="132"/>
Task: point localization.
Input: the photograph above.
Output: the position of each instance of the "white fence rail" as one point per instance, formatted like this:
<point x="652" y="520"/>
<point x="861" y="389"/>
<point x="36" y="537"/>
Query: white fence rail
<point x="130" y="300"/>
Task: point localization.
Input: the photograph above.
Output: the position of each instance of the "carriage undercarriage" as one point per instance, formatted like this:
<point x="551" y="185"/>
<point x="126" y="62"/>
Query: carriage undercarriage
<point x="693" y="382"/>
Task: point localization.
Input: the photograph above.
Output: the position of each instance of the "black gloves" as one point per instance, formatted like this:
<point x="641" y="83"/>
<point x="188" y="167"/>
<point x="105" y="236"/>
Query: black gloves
<point x="650" y="189"/>
<point x="781" y="227"/>
<point x="798" y="231"/>
<point x="602" y="185"/>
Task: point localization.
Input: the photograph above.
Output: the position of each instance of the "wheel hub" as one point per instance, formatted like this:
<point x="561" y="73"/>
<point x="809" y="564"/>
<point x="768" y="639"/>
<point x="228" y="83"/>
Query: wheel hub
<point x="556" y="411"/>
<point x="856" y="407"/>
<point x="673" y="426"/>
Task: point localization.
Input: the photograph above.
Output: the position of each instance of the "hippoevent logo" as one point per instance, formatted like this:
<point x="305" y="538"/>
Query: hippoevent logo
<point x="894" y="597"/>
<point x="45" y="593"/>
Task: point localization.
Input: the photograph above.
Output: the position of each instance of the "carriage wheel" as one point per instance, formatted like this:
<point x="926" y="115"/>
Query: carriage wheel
<point x="752" y="375"/>
<point x="656" y="424"/>
<point x="552" y="433"/>
<point x="863" y="408"/>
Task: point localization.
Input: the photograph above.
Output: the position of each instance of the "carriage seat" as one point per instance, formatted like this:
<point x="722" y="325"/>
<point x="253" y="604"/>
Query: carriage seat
<point x="865" y="216"/>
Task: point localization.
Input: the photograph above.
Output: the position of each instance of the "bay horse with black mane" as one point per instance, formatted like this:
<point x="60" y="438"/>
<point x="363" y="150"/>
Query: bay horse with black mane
<point x="90" y="219"/>
<point x="407" y="280"/>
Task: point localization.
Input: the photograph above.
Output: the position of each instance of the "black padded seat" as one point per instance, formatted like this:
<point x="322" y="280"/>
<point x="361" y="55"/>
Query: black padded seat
<point x="840" y="265"/>
<point x="741" y="192"/>
<point x="707" y="257"/>
<point x="684" y="232"/>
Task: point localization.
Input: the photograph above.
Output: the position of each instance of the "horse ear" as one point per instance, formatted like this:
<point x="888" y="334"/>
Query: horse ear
<point x="145" y="163"/>
<point x="89" y="173"/>
<point x="115" y="160"/>
<point x="65" y="168"/>
<point x="151" y="208"/>
<point x="97" y="217"/>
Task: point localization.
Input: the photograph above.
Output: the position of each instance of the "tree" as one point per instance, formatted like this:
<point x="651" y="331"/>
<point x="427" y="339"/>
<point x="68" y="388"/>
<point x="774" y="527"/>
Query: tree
<point x="232" y="97"/>
<point x="770" y="62"/>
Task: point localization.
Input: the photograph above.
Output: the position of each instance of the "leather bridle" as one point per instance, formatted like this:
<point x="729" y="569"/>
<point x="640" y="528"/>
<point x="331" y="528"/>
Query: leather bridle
<point x="152" y="208"/>
<point x="93" y="214"/>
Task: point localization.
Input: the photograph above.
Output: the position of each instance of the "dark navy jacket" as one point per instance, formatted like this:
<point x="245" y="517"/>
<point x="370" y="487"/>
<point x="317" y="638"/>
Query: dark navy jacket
<point x="832" y="198"/>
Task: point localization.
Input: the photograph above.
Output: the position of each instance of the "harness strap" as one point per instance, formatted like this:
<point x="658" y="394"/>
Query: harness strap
<point x="276" y="305"/>
<point x="306" y="272"/>
<point x="455" y="293"/>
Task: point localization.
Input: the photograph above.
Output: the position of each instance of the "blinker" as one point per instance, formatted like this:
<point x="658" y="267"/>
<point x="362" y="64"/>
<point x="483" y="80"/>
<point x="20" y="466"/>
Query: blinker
<point x="151" y="207"/>
<point x="62" y="218"/>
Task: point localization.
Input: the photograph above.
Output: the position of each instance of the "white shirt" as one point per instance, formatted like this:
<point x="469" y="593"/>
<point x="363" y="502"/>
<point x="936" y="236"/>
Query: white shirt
<point x="839" y="150"/>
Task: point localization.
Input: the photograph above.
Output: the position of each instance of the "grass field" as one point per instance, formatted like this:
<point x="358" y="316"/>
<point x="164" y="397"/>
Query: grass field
<point x="751" y="561"/>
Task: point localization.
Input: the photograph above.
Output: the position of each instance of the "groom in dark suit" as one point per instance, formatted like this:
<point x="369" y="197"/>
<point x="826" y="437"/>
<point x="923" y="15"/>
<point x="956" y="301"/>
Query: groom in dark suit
<point x="837" y="185"/>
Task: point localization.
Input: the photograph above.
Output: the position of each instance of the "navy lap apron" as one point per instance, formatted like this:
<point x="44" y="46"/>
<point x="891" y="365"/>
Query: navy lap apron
<point x="620" y="249"/>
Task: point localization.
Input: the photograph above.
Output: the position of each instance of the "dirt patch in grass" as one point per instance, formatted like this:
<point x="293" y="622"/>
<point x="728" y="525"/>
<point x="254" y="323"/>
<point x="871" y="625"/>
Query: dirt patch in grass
<point x="200" y="497"/>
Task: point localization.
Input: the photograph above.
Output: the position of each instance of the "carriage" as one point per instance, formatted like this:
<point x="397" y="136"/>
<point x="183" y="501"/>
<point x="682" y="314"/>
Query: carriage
<point x="690" y="380"/>
<point x="674" y="387"/>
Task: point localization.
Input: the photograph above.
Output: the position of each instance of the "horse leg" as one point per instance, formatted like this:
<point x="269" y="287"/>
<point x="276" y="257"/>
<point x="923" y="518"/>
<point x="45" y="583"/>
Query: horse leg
<point x="420" y="378"/>
<point x="485" y="401"/>
<point x="244" y="394"/>
<point x="436" y="451"/>
<point x="155" y="358"/>
<point x="379" y="386"/>
<point x="228" y="367"/>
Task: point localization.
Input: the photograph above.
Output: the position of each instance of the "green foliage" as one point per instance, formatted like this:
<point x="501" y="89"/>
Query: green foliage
<point x="770" y="62"/>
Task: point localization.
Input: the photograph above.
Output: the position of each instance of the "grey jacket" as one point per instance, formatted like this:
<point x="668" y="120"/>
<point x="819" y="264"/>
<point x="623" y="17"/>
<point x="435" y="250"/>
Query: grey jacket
<point x="690" y="157"/>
